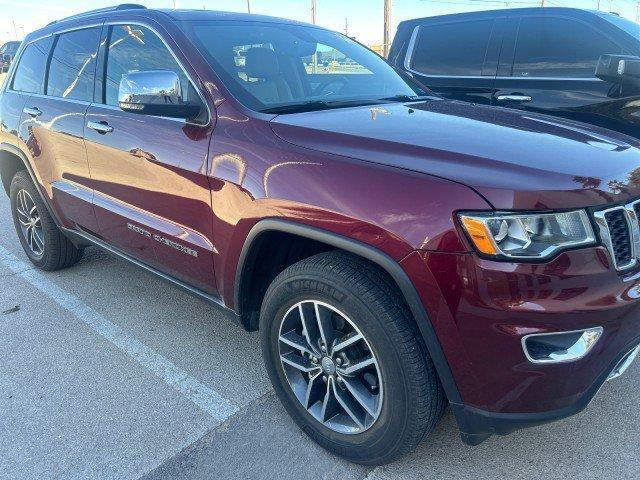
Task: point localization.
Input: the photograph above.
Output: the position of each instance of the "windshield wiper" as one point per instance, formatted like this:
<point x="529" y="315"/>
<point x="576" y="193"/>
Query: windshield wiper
<point x="408" y="98"/>
<point x="315" y="105"/>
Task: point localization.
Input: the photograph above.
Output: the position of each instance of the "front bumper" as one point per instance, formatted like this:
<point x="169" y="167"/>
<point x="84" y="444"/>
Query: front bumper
<point x="480" y="311"/>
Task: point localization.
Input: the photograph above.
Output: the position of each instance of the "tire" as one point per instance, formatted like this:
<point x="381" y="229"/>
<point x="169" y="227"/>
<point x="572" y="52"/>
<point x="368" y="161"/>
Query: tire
<point x="48" y="249"/>
<point x="404" y="402"/>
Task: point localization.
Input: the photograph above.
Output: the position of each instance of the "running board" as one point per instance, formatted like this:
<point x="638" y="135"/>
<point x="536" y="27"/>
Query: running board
<point x="93" y="240"/>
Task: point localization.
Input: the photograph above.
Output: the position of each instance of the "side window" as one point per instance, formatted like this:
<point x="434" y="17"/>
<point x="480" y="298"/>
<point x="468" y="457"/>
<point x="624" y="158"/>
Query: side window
<point x="452" y="49"/>
<point x="328" y="60"/>
<point x="138" y="49"/>
<point x="559" y="47"/>
<point x="29" y="77"/>
<point x="73" y="65"/>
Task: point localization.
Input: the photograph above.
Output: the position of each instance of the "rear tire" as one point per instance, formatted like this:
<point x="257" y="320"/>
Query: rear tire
<point x="354" y="297"/>
<point x="43" y="242"/>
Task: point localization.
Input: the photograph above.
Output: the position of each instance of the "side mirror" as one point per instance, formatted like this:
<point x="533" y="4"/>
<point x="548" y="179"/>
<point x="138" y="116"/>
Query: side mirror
<point x="618" y="68"/>
<point x="155" y="92"/>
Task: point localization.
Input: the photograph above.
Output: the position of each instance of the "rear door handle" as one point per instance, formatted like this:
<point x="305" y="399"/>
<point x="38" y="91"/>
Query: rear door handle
<point x="514" y="98"/>
<point x="100" y="127"/>
<point x="32" y="111"/>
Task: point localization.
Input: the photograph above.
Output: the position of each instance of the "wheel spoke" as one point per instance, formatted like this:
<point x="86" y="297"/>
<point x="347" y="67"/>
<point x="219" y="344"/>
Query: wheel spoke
<point x="298" y="342"/>
<point x="309" y="327"/>
<point x="314" y="390"/>
<point x="38" y="240"/>
<point x="30" y="238"/>
<point x="361" y="394"/>
<point x="330" y="406"/>
<point x="348" y="406"/>
<point x="298" y="362"/>
<point x="325" y="327"/>
<point x="25" y="224"/>
<point x="345" y="342"/>
<point x="356" y="367"/>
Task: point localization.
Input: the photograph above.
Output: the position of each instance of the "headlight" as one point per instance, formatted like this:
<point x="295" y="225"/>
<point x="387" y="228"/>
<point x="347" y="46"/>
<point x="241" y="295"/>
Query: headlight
<point x="527" y="235"/>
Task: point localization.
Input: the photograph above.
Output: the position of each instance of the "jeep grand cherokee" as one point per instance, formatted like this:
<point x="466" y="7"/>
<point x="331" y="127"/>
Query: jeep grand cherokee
<point x="399" y="253"/>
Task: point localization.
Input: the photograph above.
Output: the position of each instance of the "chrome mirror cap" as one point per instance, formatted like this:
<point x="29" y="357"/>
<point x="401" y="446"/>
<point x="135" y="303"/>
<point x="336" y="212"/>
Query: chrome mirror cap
<point x="154" y="92"/>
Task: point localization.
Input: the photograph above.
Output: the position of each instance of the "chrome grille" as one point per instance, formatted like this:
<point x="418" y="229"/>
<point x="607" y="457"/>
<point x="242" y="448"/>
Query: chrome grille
<point x="619" y="232"/>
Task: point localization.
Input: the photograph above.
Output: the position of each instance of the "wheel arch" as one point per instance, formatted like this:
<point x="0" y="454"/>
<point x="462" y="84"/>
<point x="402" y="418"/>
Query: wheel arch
<point x="372" y="254"/>
<point x="11" y="162"/>
<point x="12" y="157"/>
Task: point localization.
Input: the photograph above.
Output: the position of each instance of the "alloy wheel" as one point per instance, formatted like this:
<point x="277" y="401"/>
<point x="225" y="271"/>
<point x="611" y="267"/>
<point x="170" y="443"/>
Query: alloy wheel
<point x="330" y="367"/>
<point x="30" y="222"/>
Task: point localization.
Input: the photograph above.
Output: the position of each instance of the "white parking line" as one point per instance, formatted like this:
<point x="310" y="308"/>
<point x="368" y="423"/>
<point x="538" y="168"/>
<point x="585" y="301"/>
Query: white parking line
<point x="204" y="397"/>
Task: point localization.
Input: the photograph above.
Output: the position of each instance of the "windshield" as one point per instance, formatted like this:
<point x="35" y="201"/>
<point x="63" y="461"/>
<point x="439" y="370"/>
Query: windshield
<point x="274" y="67"/>
<point x="628" y="26"/>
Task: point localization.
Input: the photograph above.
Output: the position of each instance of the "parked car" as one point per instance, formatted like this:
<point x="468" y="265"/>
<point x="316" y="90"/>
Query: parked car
<point x="398" y="252"/>
<point x="535" y="59"/>
<point x="7" y="52"/>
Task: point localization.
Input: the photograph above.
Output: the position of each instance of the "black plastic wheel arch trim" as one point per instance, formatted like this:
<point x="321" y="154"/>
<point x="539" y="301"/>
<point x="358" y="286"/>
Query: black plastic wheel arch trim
<point x="379" y="258"/>
<point x="12" y="149"/>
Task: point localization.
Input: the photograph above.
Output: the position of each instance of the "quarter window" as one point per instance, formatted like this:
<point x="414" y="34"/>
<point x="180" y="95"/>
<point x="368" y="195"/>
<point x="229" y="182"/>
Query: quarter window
<point x="452" y="49"/>
<point x="29" y="77"/>
<point x="73" y="65"/>
<point x="559" y="47"/>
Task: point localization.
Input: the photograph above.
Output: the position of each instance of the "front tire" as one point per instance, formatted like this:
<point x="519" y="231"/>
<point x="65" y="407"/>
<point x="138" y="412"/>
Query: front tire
<point x="346" y="360"/>
<point x="43" y="242"/>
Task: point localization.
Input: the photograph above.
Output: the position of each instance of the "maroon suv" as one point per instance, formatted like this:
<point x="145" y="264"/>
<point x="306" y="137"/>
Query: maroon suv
<point x="398" y="252"/>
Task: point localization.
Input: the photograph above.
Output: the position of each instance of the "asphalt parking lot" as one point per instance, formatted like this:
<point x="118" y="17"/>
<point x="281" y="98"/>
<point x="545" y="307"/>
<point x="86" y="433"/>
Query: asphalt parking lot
<point x="107" y="372"/>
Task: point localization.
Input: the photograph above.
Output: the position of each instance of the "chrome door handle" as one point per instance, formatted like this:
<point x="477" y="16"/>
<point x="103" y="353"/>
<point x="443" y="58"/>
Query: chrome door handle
<point x="514" y="98"/>
<point x="32" y="111"/>
<point x="100" y="127"/>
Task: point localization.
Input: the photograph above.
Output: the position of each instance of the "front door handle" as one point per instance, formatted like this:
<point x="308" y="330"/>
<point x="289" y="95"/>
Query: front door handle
<point x="32" y="111"/>
<point x="514" y="98"/>
<point x="100" y="127"/>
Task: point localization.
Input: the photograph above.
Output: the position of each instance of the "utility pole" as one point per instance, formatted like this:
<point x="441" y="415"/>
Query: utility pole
<point x="248" y="6"/>
<point x="542" y="3"/>
<point x="598" y="5"/>
<point x="387" y="27"/>
<point x="638" y="12"/>
<point x="15" y="30"/>
<point x="346" y="26"/>
<point x="313" y="20"/>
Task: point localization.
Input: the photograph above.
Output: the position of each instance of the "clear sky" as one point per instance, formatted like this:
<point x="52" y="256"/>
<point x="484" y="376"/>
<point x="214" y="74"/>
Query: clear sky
<point x="364" y="17"/>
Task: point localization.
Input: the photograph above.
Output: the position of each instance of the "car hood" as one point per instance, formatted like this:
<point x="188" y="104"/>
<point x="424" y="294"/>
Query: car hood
<point x="513" y="159"/>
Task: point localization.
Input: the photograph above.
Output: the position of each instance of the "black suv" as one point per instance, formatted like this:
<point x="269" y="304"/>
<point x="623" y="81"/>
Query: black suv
<point x="579" y="64"/>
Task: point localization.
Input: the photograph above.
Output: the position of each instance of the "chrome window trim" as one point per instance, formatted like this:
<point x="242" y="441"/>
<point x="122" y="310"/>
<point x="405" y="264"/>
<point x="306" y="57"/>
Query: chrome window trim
<point x="605" y="235"/>
<point x="51" y="97"/>
<point x="11" y="74"/>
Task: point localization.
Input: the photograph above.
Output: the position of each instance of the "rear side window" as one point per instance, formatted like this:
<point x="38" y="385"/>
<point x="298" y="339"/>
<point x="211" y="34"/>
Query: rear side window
<point x="29" y="77"/>
<point x="73" y="65"/>
<point x="452" y="49"/>
<point x="138" y="49"/>
<point x="559" y="47"/>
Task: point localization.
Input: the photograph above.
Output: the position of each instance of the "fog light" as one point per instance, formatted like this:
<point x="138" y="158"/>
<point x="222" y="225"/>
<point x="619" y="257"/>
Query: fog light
<point x="560" y="347"/>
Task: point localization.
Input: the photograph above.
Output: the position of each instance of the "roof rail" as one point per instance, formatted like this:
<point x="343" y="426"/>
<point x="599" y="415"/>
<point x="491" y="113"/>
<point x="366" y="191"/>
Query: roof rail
<point x="123" y="6"/>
